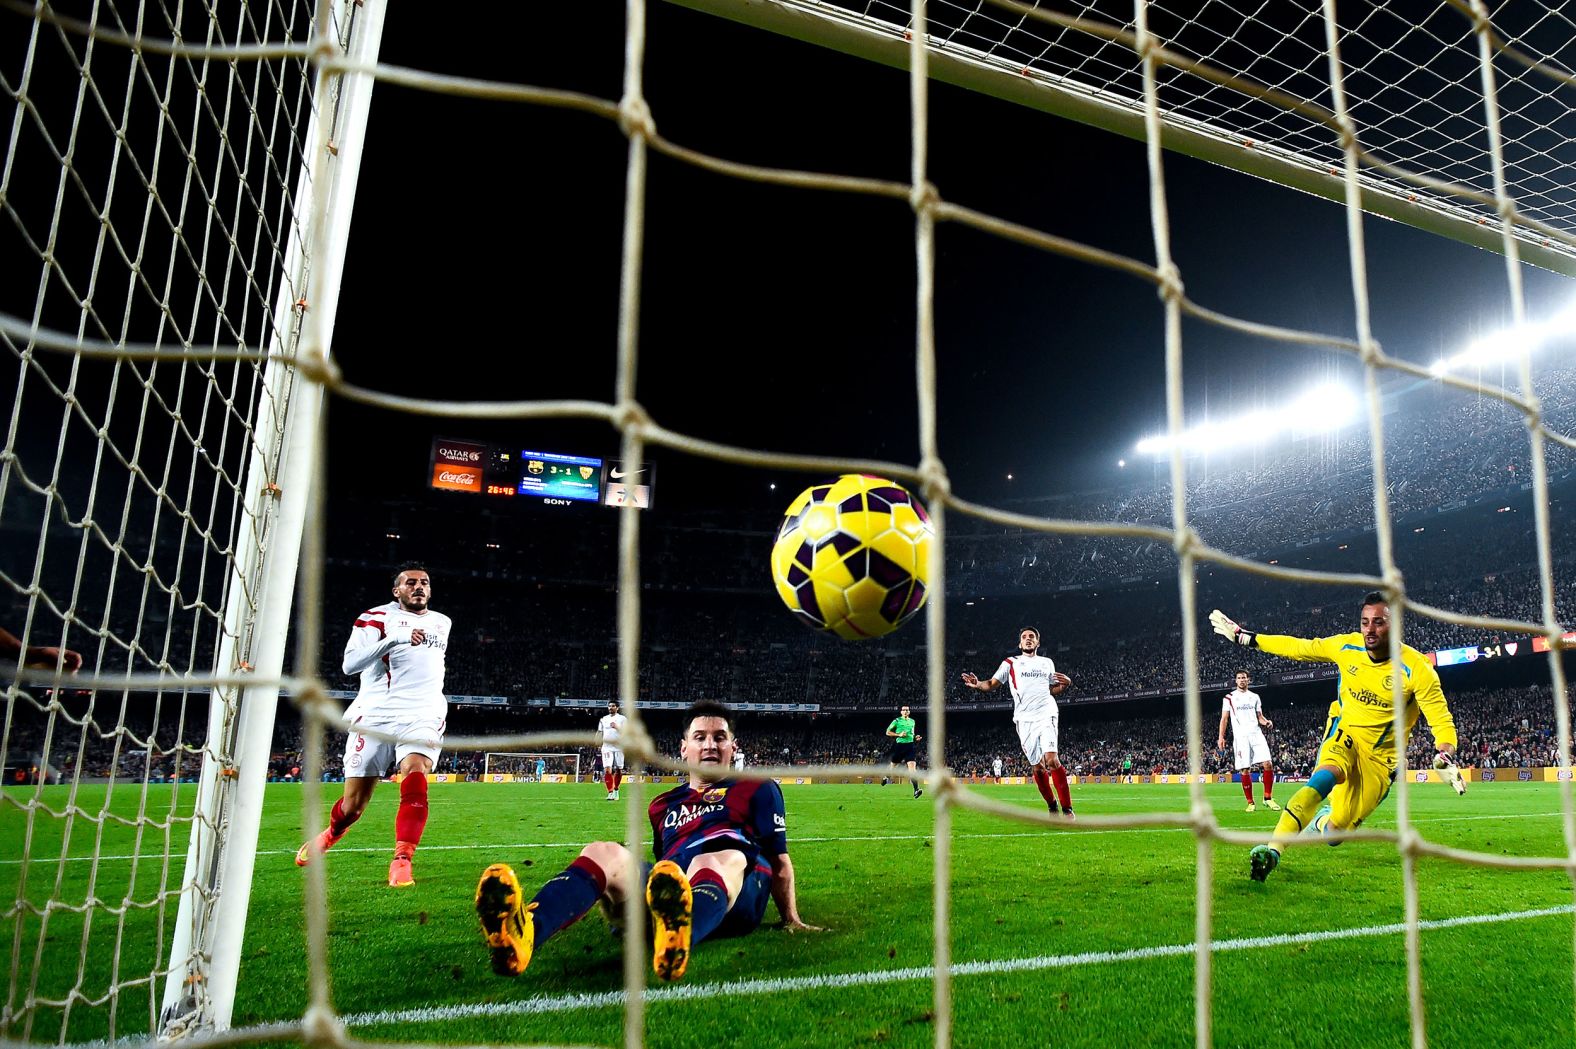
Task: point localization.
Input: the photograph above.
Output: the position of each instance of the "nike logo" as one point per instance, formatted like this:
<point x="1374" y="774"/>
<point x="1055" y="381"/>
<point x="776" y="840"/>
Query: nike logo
<point x="617" y="474"/>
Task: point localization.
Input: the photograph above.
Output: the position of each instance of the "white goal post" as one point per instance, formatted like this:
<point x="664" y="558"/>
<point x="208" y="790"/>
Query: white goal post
<point x="199" y="993"/>
<point x="521" y="765"/>
<point x="176" y="190"/>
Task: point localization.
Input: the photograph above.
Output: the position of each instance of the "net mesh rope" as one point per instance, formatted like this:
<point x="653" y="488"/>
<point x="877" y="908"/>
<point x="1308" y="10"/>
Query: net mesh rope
<point x="1341" y="136"/>
<point x="1410" y="76"/>
<point x="154" y="200"/>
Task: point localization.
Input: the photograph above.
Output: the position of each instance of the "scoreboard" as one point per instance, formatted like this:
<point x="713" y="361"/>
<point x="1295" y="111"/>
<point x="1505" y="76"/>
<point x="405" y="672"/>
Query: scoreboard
<point x="555" y="478"/>
<point x="552" y="475"/>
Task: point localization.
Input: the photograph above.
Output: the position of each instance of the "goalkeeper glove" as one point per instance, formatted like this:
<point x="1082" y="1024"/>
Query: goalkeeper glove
<point x="1449" y="772"/>
<point x="1231" y="631"/>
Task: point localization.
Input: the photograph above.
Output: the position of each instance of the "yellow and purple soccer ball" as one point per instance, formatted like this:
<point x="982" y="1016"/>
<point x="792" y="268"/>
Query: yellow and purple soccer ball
<point x="852" y="555"/>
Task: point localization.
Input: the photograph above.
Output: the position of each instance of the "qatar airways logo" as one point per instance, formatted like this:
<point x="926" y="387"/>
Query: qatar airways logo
<point x="688" y="813"/>
<point x="459" y="455"/>
<point x="450" y="477"/>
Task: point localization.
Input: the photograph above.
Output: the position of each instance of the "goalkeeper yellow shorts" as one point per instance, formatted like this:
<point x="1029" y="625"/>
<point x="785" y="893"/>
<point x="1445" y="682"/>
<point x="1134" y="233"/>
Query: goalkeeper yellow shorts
<point x="1367" y="781"/>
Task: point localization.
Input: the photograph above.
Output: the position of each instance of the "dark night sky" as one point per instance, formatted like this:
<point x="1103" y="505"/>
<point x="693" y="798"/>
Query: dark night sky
<point x="484" y="263"/>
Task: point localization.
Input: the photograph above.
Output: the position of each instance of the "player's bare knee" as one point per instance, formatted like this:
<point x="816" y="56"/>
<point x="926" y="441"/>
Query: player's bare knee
<point x="729" y="865"/>
<point x="606" y="854"/>
<point x="615" y="863"/>
<point x="415" y="763"/>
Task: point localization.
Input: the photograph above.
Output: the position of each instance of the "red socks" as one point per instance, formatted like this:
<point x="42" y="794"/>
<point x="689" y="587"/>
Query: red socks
<point x="339" y="821"/>
<point x="1059" y="777"/>
<point x="618" y="778"/>
<point x="1269" y="783"/>
<point x="1042" y="780"/>
<point x="411" y="818"/>
<point x="1247" y="785"/>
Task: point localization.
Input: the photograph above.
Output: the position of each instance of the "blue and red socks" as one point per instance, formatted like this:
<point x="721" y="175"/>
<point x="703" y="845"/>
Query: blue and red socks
<point x="566" y="898"/>
<point x="710" y="904"/>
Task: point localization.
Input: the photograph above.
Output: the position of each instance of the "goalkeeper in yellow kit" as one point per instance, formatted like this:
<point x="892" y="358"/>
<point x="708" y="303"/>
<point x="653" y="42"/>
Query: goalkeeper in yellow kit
<point x="1357" y="760"/>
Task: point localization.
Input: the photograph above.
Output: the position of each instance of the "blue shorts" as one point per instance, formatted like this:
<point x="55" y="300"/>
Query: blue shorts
<point x="749" y="907"/>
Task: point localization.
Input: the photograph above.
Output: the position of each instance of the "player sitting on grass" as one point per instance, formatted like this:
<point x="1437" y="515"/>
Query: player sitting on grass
<point x="721" y="848"/>
<point x="1357" y="760"/>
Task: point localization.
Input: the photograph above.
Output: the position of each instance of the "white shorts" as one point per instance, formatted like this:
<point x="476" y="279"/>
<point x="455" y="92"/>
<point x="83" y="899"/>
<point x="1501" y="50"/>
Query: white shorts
<point x="1252" y="749"/>
<point x="612" y="757"/>
<point x="366" y="756"/>
<point x="1039" y="737"/>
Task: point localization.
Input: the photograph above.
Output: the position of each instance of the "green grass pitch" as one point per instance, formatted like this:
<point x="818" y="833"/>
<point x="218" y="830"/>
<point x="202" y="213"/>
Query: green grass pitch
<point x="1062" y="937"/>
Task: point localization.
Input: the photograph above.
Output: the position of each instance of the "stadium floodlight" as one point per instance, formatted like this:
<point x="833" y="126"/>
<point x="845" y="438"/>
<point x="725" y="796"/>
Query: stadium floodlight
<point x="1506" y="346"/>
<point x="1320" y="410"/>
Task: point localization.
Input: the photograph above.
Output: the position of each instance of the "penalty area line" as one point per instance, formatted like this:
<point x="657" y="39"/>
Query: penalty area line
<point x="837" y="981"/>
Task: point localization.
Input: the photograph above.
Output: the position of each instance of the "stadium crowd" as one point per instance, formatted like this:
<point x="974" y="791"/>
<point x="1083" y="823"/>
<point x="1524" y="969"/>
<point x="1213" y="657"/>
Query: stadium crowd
<point x="534" y="608"/>
<point x="1499" y="727"/>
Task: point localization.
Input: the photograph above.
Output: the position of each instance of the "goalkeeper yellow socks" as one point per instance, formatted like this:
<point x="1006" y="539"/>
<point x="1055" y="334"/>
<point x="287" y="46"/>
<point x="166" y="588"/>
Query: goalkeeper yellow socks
<point x="1298" y="811"/>
<point x="1304" y="804"/>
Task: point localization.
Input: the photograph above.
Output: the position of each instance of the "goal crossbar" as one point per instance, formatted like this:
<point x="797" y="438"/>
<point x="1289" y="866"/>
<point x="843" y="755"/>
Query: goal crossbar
<point x="879" y="40"/>
<point x="520" y="763"/>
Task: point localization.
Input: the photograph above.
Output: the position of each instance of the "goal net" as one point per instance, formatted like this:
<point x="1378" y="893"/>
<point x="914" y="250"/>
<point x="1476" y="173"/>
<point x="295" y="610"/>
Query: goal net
<point x="164" y="171"/>
<point x="177" y="192"/>
<point x="530" y="767"/>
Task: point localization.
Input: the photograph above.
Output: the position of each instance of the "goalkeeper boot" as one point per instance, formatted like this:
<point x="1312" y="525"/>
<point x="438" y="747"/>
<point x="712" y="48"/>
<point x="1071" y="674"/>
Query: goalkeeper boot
<point x="1262" y="860"/>
<point x="316" y="847"/>
<point x="1271" y="804"/>
<point x="671" y="904"/>
<point x="1320" y="824"/>
<point x="509" y="928"/>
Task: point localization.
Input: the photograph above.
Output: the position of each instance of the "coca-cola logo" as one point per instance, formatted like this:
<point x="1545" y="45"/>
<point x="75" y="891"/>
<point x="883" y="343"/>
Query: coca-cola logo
<point x="450" y="477"/>
<point x="459" y="455"/>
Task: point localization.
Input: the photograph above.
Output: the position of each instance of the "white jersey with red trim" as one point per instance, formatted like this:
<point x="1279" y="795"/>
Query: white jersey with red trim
<point x="1030" y="679"/>
<point x="399" y="680"/>
<point x="612" y="727"/>
<point x="1244" y="707"/>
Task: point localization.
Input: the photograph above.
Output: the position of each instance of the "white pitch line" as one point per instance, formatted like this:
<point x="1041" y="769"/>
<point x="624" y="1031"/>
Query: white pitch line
<point x="838" y="981"/>
<point x="383" y="849"/>
<point x="872" y="978"/>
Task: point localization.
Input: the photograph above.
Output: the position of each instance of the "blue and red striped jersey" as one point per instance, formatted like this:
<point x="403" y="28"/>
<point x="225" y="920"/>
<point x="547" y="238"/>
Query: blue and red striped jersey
<point x="730" y="814"/>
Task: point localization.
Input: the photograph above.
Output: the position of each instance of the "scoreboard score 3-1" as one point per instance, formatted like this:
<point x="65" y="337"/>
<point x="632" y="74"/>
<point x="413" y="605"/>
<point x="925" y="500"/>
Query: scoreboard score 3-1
<point x="554" y="478"/>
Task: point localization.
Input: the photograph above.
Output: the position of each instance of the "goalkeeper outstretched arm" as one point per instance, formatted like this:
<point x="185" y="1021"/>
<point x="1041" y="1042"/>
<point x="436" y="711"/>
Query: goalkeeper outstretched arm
<point x="1307" y="650"/>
